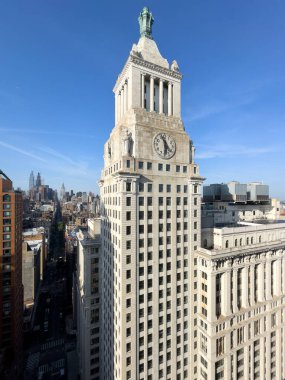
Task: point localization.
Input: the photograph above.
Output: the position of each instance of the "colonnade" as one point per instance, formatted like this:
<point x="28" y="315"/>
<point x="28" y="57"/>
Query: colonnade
<point x="259" y="282"/>
<point x="122" y="101"/>
<point x="151" y="94"/>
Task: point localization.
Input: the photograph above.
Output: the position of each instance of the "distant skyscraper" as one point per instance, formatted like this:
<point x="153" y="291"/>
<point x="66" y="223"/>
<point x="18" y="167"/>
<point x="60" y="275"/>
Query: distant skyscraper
<point x="38" y="180"/>
<point x="31" y="181"/>
<point x="11" y="289"/>
<point x="62" y="193"/>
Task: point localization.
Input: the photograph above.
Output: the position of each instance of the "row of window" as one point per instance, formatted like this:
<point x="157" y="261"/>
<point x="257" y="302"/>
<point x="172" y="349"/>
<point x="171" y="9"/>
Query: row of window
<point x="160" y="167"/>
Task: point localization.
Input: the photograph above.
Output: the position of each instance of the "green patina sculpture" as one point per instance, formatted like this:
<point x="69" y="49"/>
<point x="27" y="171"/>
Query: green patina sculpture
<point x="146" y="21"/>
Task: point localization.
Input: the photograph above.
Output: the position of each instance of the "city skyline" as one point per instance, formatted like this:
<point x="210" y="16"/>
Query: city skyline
<point x="59" y="77"/>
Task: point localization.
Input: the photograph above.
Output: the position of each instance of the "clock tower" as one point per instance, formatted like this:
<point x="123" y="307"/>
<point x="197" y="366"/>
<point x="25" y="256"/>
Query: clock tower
<point x="150" y="193"/>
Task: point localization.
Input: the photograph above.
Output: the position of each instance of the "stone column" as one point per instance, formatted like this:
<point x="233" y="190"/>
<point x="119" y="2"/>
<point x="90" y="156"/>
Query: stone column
<point x="252" y="286"/>
<point x="277" y="279"/>
<point x="169" y="99"/>
<point x="235" y="304"/>
<point x="279" y="357"/>
<point x="142" y="92"/>
<point x="246" y="355"/>
<point x="262" y="362"/>
<point x="212" y="315"/>
<point x="244" y="287"/>
<point x="226" y="293"/>
<point x="119" y="105"/>
<point x="234" y="377"/>
<point x="283" y="276"/>
<point x="268" y="280"/>
<point x="227" y="360"/>
<point x="122" y="102"/>
<point x="151" y="94"/>
<point x="160" y="96"/>
<point x="260" y="295"/>
<point x="116" y="108"/>
<point x="126" y="96"/>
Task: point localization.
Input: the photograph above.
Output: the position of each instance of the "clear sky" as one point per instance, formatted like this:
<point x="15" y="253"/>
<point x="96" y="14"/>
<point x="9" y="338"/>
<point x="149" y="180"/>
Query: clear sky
<point x="59" y="60"/>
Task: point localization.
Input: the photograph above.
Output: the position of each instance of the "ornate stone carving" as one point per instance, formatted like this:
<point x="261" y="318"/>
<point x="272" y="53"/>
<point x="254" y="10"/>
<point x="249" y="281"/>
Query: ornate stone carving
<point x="109" y="149"/>
<point x="128" y="143"/>
<point x="174" y="66"/>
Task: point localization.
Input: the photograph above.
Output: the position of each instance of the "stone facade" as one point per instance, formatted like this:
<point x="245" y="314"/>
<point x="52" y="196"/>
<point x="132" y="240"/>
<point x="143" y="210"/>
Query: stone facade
<point x="150" y="196"/>
<point x="241" y="313"/>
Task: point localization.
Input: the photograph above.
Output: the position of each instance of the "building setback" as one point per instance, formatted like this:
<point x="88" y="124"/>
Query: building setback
<point x="11" y="294"/>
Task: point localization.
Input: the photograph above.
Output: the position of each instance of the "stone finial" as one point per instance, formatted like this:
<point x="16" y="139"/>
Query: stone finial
<point x="146" y="21"/>
<point x="174" y="66"/>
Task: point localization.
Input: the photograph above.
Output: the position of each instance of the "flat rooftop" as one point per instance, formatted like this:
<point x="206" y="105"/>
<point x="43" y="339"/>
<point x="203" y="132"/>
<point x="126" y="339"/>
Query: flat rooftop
<point x="246" y="224"/>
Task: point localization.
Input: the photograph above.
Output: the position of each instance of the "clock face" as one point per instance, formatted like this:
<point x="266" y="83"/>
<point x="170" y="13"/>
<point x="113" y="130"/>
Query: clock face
<point x="164" y="145"/>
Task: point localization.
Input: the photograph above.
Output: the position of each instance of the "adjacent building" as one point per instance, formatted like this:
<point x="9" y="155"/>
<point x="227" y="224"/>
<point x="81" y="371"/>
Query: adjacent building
<point x="241" y="297"/>
<point x="11" y="293"/>
<point x="87" y="299"/>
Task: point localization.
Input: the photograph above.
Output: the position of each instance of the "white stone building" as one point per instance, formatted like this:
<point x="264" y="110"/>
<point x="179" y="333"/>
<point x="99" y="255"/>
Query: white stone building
<point x="87" y="300"/>
<point x="241" y="295"/>
<point x="150" y="194"/>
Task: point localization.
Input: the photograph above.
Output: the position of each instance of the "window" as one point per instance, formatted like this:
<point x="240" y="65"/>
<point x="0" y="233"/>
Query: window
<point x="149" y="166"/>
<point x="149" y="187"/>
<point x="128" y="201"/>
<point x="177" y="169"/>
<point x="140" y="165"/>
<point x="141" y="187"/>
<point x="178" y="188"/>
<point x="141" y="201"/>
<point x="160" y="167"/>
<point x="167" y="167"/>
<point x="128" y="230"/>
<point x="128" y="215"/>
<point x="128" y="244"/>
<point x="184" y="169"/>
<point x="168" y="188"/>
<point x="149" y="201"/>
<point x="6" y="198"/>
<point x="128" y="163"/>
<point x="160" y="188"/>
<point x="128" y="186"/>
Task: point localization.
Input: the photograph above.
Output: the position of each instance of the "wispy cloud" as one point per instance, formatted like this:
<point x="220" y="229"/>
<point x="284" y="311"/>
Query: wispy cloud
<point x="221" y="151"/>
<point x="43" y="132"/>
<point x="22" y="151"/>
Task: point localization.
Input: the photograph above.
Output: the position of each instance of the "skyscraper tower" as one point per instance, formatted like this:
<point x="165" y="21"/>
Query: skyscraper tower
<point x="38" y="180"/>
<point x="150" y="192"/>
<point x="11" y="289"/>
<point x="31" y="181"/>
<point x="62" y="193"/>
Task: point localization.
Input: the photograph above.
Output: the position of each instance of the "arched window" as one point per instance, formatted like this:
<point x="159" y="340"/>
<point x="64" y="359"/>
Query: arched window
<point x="247" y="241"/>
<point x="251" y="240"/>
<point x="205" y="243"/>
<point x="6" y="198"/>
<point x="236" y="242"/>
<point x="259" y="239"/>
<point x="240" y="241"/>
<point x="227" y="244"/>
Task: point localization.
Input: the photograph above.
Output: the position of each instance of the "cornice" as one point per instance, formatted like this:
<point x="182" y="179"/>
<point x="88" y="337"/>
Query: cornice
<point x="154" y="67"/>
<point x="148" y="65"/>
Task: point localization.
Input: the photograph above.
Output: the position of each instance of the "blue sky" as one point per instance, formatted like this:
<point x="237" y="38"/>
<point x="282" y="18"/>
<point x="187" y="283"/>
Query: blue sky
<point x="59" y="61"/>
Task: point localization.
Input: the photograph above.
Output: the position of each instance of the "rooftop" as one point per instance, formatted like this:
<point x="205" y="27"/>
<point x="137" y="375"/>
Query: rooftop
<point x="249" y="224"/>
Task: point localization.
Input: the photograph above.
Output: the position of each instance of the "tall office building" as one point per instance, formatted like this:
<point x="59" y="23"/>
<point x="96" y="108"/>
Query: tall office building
<point x="38" y="181"/>
<point x="62" y="193"/>
<point x="150" y="192"/>
<point x="31" y="181"/>
<point x="11" y="289"/>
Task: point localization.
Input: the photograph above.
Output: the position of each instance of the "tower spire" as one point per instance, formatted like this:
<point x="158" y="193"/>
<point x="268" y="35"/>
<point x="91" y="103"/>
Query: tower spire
<point x="146" y="20"/>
